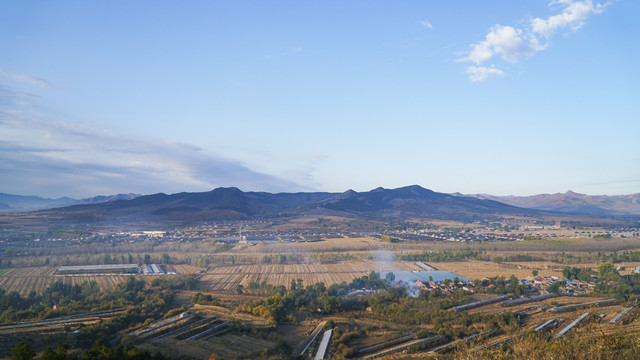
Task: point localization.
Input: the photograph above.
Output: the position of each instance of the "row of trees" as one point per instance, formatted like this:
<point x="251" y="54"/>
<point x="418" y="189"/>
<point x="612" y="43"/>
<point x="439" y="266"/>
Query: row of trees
<point x="99" y="351"/>
<point x="438" y="256"/>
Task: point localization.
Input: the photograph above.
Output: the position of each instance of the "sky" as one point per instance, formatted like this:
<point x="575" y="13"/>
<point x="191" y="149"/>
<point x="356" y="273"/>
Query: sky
<point x="498" y="97"/>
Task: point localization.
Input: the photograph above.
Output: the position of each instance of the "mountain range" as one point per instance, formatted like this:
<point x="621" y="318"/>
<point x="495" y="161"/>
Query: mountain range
<point x="232" y="203"/>
<point x="574" y="203"/>
<point x="20" y="203"/>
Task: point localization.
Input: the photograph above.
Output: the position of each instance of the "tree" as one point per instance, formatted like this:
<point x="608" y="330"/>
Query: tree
<point x="22" y="351"/>
<point x="606" y="268"/>
<point x="165" y="258"/>
<point x="390" y="277"/>
<point x="60" y="353"/>
<point x="147" y="259"/>
<point x="534" y="273"/>
<point x="553" y="288"/>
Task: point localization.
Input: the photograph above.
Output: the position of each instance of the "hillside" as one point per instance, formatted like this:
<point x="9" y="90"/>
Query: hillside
<point x="232" y="203"/>
<point x="21" y="203"/>
<point x="574" y="203"/>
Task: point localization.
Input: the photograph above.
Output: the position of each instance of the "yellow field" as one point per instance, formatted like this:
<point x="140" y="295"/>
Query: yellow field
<point x="187" y="269"/>
<point x="476" y="269"/>
<point x="27" y="279"/>
<point x="227" y="277"/>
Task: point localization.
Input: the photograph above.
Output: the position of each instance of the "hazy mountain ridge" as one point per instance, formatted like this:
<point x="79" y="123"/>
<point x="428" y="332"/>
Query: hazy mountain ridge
<point x="574" y="203"/>
<point x="232" y="203"/>
<point x="23" y="203"/>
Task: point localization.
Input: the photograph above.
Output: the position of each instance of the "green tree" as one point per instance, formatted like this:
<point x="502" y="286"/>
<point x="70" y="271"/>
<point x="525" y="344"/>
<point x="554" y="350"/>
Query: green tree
<point x="554" y="287"/>
<point x="534" y="273"/>
<point x="606" y="268"/>
<point x="165" y="258"/>
<point x="60" y="353"/>
<point x="147" y="259"/>
<point x="390" y="277"/>
<point x="22" y="351"/>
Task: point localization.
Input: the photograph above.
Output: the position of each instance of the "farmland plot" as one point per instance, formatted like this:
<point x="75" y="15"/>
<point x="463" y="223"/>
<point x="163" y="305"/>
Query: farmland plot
<point x="25" y="280"/>
<point x="228" y="277"/>
<point x="476" y="269"/>
<point x="184" y="269"/>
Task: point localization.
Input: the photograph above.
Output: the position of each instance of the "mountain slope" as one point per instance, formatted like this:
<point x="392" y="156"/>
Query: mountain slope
<point x="419" y="201"/>
<point x="232" y="203"/>
<point x="21" y="203"/>
<point x="575" y="203"/>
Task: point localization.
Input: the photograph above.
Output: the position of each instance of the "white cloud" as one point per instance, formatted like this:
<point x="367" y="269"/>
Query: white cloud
<point x="481" y="73"/>
<point x="573" y="17"/>
<point x="508" y="42"/>
<point x="511" y="43"/>
<point x="426" y="24"/>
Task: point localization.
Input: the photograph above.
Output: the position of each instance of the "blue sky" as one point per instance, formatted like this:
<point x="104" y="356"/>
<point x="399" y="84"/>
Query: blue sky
<point x="501" y="97"/>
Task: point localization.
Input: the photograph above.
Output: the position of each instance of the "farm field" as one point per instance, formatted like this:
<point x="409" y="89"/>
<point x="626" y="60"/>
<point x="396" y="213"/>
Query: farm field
<point x="184" y="269"/>
<point x="477" y="269"/>
<point x="27" y="279"/>
<point x="228" y="277"/>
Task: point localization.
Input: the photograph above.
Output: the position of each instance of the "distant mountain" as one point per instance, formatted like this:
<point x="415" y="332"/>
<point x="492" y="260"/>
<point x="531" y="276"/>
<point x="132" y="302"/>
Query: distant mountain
<point x="21" y="203"/>
<point x="574" y="203"/>
<point x="415" y="200"/>
<point x="232" y="203"/>
<point x="108" y="198"/>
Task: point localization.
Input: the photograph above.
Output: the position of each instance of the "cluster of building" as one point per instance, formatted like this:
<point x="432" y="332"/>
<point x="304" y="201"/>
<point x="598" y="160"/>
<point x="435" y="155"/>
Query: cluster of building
<point x="569" y="287"/>
<point x="153" y="269"/>
<point x="424" y="235"/>
<point x="112" y="269"/>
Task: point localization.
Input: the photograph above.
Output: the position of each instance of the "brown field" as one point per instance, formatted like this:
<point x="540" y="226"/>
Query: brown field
<point x="187" y="269"/>
<point x="227" y="277"/>
<point x="476" y="269"/>
<point x="25" y="280"/>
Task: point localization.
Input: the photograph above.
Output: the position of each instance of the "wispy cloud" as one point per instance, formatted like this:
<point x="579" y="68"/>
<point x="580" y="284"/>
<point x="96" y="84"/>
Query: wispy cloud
<point x="481" y="73"/>
<point x="426" y="24"/>
<point x="511" y="44"/>
<point x="54" y="158"/>
<point x="24" y="78"/>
